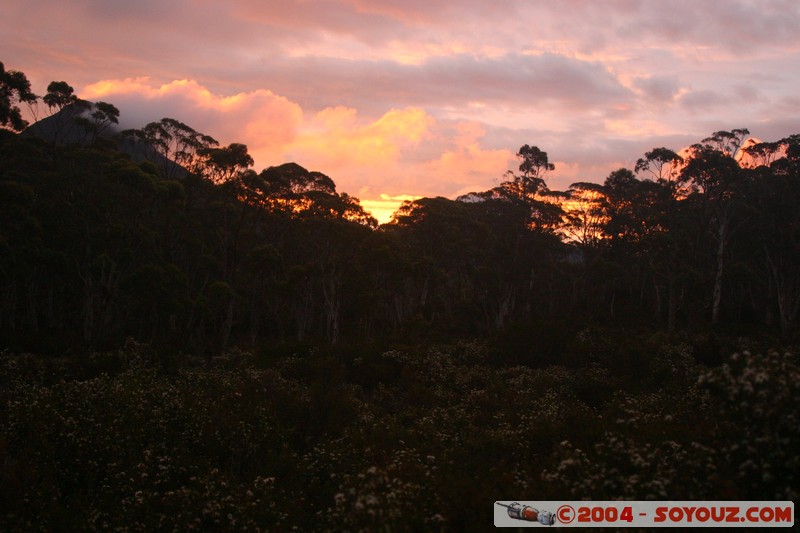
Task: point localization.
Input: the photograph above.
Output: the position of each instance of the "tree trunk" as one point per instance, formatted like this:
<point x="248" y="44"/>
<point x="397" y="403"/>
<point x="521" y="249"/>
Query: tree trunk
<point x="672" y="303"/>
<point x="33" y="311"/>
<point x="330" y="292"/>
<point x="787" y="292"/>
<point x="717" y="294"/>
<point x="88" y="308"/>
<point x="227" y="325"/>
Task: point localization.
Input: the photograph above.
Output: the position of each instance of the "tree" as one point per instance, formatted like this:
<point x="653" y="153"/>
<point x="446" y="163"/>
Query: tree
<point x="663" y="164"/>
<point x="177" y="147"/>
<point x="64" y="107"/>
<point x="447" y="238"/>
<point x="584" y="216"/>
<point x="714" y="176"/>
<point x="292" y="179"/>
<point x="291" y="189"/>
<point x="340" y="207"/>
<point x="726" y="142"/>
<point x="529" y="187"/>
<point x="14" y="89"/>
<point x="478" y="263"/>
<point x="762" y="153"/>
<point x="533" y="166"/>
<point x="644" y="224"/>
<point x="792" y="147"/>
<point x="59" y="95"/>
<point x="777" y="233"/>
<point x="99" y="120"/>
<point x="223" y="164"/>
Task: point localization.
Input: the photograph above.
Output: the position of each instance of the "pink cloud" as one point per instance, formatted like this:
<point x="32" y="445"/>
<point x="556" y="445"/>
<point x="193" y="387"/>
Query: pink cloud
<point x="466" y="166"/>
<point x="261" y="119"/>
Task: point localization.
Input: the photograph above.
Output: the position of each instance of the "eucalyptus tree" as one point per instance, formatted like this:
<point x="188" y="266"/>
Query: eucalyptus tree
<point x="534" y="165"/>
<point x="726" y="142"/>
<point x="763" y="153"/>
<point x="225" y="163"/>
<point x="99" y="120"/>
<point x="634" y="227"/>
<point x="663" y="166"/>
<point x="314" y="234"/>
<point x="529" y="186"/>
<point x="64" y="107"/>
<point x="441" y="235"/>
<point x="60" y="95"/>
<point x="176" y="147"/>
<point x="14" y="90"/>
<point x="714" y="178"/>
<point x="584" y="214"/>
<point x="775" y="198"/>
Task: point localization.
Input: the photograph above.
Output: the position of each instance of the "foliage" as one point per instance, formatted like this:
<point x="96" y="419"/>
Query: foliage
<point x="760" y="421"/>
<point x="14" y="89"/>
<point x="162" y="235"/>
<point x="403" y="439"/>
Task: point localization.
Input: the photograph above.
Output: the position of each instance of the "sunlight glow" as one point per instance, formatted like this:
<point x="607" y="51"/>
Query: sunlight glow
<point x="336" y="138"/>
<point x="384" y="207"/>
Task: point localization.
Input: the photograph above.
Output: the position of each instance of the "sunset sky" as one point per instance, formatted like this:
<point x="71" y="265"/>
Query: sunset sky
<point x="401" y="98"/>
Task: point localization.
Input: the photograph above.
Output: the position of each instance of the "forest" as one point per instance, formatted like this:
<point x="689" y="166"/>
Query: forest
<point x="188" y="343"/>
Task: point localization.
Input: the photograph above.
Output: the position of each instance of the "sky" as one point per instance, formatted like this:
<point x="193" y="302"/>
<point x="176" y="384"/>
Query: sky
<point x="397" y="99"/>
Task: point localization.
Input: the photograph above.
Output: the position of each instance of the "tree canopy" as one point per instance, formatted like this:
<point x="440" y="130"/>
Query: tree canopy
<point x="14" y="90"/>
<point x="162" y="234"/>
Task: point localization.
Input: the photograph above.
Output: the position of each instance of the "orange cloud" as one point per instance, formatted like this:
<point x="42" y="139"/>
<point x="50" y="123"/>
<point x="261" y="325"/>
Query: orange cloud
<point x="264" y="121"/>
<point x="335" y="138"/>
<point x="468" y="162"/>
<point x="366" y="155"/>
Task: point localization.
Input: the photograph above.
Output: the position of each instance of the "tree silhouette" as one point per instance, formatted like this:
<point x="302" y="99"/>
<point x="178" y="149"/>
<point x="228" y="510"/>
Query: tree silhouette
<point x="533" y="166"/>
<point x="102" y="116"/>
<point x="584" y="214"/>
<point x="726" y="142"/>
<point x="183" y="244"/>
<point x="14" y="89"/>
<point x="714" y="175"/>
<point x="663" y="164"/>
<point x="225" y="163"/>
<point x="179" y="147"/>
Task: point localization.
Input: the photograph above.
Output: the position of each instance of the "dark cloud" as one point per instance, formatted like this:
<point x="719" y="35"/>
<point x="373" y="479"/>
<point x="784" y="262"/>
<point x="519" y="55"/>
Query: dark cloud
<point x="704" y="100"/>
<point x="524" y="82"/>
<point x="658" y="88"/>
<point x="739" y="27"/>
<point x="776" y="128"/>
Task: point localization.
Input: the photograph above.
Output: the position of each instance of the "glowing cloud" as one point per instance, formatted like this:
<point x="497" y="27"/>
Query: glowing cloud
<point x="466" y="164"/>
<point x="335" y="138"/>
<point x="384" y="207"/>
<point x="264" y="121"/>
<point x="368" y="156"/>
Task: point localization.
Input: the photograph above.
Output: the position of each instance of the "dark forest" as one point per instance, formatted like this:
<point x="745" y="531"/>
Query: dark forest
<point x="188" y="343"/>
